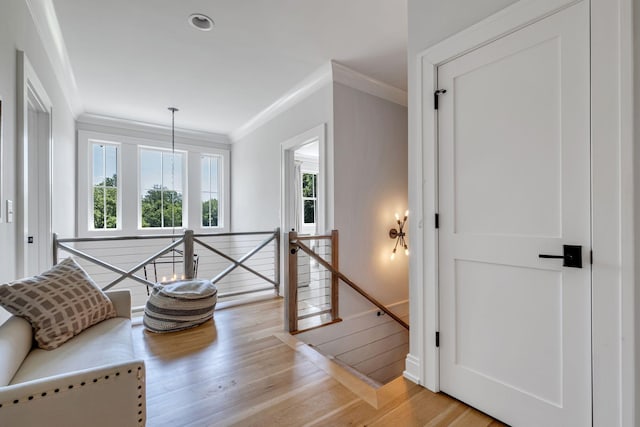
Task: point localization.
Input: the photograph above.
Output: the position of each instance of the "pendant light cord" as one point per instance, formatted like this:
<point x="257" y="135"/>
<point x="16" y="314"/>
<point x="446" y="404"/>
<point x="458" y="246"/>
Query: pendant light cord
<point x="173" y="187"/>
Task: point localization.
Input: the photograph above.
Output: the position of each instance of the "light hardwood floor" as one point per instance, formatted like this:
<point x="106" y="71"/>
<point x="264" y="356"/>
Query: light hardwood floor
<point x="234" y="371"/>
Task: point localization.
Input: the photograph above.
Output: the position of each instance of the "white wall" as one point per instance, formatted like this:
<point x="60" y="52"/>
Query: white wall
<point x="17" y="31"/>
<point x="636" y="79"/>
<point x="370" y="172"/>
<point x="368" y="138"/>
<point x="255" y="161"/>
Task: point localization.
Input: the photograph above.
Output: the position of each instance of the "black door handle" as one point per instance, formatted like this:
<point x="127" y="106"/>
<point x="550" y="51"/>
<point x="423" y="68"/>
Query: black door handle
<point x="572" y="256"/>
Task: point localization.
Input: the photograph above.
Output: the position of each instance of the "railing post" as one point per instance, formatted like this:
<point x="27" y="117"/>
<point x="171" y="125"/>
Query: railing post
<point x="293" y="282"/>
<point x="188" y="255"/>
<point x="55" y="249"/>
<point x="276" y="268"/>
<point x="335" y="280"/>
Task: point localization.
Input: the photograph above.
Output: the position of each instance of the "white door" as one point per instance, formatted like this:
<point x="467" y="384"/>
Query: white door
<point x="39" y="243"/>
<point x="514" y="183"/>
<point x="32" y="255"/>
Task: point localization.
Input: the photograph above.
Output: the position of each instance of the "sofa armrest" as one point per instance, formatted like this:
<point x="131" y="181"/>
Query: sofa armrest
<point x="121" y="300"/>
<point x="110" y="395"/>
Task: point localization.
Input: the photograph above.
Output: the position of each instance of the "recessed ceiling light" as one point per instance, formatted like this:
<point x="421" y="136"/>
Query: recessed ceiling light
<point x="201" y="22"/>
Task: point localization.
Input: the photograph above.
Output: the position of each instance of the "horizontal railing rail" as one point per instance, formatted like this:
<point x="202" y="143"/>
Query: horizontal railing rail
<point x="296" y="243"/>
<point x="184" y="244"/>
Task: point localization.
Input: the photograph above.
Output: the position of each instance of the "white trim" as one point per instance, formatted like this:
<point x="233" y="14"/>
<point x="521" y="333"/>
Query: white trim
<point x="46" y="22"/>
<point x="628" y="52"/>
<point x="315" y="81"/>
<point x="331" y="72"/>
<point x="612" y="179"/>
<point x="29" y="83"/>
<point x="3" y="212"/>
<point x="613" y="287"/>
<point x="113" y="125"/>
<point x="506" y="21"/>
<point x="356" y="80"/>
<point x="412" y="369"/>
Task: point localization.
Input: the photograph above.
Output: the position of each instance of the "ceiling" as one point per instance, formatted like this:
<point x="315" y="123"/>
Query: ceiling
<point x="134" y="58"/>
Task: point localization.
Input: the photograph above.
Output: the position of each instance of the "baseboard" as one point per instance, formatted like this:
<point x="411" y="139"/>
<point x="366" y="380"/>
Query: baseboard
<point x="412" y="370"/>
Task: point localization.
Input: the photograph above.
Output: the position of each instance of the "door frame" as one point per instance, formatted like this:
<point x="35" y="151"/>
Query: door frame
<point x="287" y="149"/>
<point x="31" y="88"/>
<point x="613" y="299"/>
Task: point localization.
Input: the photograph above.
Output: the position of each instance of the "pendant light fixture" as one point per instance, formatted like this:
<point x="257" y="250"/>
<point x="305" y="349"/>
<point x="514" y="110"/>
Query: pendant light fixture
<point x="173" y="188"/>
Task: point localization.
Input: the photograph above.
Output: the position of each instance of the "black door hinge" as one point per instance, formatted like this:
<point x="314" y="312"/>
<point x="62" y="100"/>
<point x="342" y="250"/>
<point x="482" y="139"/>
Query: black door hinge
<point x="436" y="95"/>
<point x="437" y="339"/>
<point x="591" y="257"/>
<point x="437" y="221"/>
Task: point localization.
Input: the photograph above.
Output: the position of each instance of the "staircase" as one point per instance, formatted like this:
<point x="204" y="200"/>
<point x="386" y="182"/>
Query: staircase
<point x="365" y="352"/>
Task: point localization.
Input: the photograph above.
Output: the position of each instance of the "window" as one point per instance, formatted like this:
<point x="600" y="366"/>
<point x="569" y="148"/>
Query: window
<point x="105" y="186"/>
<point x="210" y="194"/>
<point x="161" y="188"/>
<point x="127" y="185"/>
<point x="309" y="197"/>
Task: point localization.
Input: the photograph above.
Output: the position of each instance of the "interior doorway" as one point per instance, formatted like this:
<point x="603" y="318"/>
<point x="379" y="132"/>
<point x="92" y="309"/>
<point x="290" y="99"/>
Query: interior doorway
<point x="34" y="214"/>
<point x="303" y="191"/>
<point x="303" y="182"/>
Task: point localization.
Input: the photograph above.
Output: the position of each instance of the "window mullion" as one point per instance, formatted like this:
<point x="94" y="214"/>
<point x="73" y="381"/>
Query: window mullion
<point x="104" y="187"/>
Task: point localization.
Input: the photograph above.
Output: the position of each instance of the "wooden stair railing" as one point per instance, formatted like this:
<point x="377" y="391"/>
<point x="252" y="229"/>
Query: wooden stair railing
<point x="295" y="244"/>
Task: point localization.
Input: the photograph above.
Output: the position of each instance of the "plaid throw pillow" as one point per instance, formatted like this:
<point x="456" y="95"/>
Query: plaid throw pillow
<point x="60" y="303"/>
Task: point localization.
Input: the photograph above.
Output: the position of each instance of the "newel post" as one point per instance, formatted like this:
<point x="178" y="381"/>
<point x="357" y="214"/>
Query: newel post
<point x="55" y="249"/>
<point x="188" y="255"/>
<point x="276" y="267"/>
<point x="335" y="281"/>
<point x="293" y="281"/>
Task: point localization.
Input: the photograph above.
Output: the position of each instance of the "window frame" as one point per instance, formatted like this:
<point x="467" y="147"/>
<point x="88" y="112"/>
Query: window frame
<point x="185" y="190"/>
<point x="304" y="172"/>
<point x="91" y="186"/>
<point x="220" y="192"/>
<point x="129" y="216"/>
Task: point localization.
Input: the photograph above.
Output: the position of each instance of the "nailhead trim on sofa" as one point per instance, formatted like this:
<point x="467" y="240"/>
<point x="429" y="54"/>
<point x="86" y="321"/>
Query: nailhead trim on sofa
<point x="58" y="391"/>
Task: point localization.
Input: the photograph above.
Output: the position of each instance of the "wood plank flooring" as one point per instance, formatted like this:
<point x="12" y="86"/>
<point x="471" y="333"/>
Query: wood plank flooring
<point x="233" y="371"/>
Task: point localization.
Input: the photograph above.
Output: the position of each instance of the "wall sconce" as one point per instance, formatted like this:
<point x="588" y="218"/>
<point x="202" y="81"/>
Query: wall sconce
<point x="398" y="235"/>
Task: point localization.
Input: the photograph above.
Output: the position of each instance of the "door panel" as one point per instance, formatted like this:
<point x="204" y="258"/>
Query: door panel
<point x="514" y="182"/>
<point x="525" y="135"/>
<point x="486" y="295"/>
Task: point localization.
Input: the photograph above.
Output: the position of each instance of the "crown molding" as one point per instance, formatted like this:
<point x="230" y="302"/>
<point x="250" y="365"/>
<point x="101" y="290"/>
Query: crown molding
<point x="46" y="22"/>
<point x="356" y="80"/>
<point x="106" y="124"/>
<point x="328" y="73"/>
<point x="316" y="80"/>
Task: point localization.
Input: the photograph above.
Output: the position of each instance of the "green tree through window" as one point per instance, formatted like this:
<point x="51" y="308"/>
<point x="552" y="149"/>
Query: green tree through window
<point x="210" y="177"/>
<point x="210" y="213"/>
<point x="309" y="197"/>
<point x="158" y="206"/>
<point x="105" y="204"/>
<point x="105" y="185"/>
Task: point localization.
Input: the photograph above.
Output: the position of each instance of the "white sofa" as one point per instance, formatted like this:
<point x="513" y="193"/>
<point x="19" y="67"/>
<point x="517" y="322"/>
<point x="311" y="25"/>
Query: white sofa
<point x="94" y="379"/>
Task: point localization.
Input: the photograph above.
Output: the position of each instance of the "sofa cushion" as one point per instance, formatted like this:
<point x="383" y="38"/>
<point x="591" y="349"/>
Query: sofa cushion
<point x="106" y="343"/>
<point x="16" y="338"/>
<point x="60" y="303"/>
